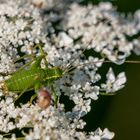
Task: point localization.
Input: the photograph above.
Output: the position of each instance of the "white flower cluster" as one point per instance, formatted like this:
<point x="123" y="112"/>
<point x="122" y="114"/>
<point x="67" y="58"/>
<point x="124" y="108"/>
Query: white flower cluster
<point x="102" y="29"/>
<point x="20" y="26"/>
<point x="51" y="123"/>
<point x="66" y="30"/>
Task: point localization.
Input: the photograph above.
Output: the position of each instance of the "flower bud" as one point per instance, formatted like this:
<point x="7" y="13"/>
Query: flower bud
<point x="44" y="99"/>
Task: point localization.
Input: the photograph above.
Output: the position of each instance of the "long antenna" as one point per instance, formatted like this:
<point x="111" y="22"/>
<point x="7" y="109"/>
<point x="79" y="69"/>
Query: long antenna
<point x="70" y="64"/>
<point x="106" y="61"/>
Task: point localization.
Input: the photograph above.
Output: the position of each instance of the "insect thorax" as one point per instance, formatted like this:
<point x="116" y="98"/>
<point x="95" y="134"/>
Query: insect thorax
<point x="53" y="73"/>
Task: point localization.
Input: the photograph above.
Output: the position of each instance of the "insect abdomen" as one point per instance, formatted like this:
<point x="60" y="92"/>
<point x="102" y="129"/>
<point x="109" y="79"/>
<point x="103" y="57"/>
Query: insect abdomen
<point x="24" y="80"/>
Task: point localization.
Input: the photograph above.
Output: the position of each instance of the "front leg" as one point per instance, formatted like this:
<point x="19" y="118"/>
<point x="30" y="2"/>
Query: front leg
<point x="54" y="96"/>
<point x="44" y="54"/>
<point x="32" y="98"/>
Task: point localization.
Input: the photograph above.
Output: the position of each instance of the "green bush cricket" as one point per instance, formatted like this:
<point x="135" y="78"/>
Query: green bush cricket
<point x="33" y="77"/>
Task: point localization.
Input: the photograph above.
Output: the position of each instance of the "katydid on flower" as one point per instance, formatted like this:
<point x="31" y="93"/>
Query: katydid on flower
<point x="35" y="78"/>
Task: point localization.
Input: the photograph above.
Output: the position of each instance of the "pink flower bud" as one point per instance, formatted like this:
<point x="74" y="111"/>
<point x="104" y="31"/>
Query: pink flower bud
<point x="44" y="99"/>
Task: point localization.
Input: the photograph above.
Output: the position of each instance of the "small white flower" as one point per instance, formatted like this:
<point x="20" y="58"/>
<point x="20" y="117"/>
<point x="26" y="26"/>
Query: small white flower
<point x="107" y="134"/>
<point x="99" y="135"/>
<point x="65" y="40"/>
<point x="113" y="83"/>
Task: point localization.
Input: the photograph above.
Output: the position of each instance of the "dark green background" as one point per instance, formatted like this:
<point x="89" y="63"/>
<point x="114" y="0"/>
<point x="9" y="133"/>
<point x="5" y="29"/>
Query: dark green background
<point x="120" y="113"/>
<point x="123" y="5"/>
